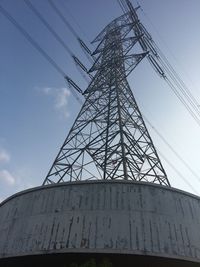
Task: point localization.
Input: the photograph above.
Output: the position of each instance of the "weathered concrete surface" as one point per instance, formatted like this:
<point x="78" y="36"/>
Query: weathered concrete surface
<point x="101" y="217"/>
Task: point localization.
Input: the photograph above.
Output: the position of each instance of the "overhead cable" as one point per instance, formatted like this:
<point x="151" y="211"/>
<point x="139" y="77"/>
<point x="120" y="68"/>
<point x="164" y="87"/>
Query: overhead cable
<point x="69" y="26"/>
<point x="162" y="65"/>
<point x="173" y="150"/>
<point x="53" y="5"/>
<point x="48" y="26"/>
<point x="77" y="62"/>
<point x="29" y="38"/>
<point x="179" y="173"/>
<point x="169" y="50"/>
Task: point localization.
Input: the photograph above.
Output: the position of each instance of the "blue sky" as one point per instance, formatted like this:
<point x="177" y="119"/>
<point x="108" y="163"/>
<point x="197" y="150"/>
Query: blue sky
<point x="37" y="109"/>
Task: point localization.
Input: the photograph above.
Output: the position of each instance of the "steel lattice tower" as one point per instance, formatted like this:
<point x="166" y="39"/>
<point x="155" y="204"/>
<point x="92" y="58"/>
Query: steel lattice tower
<point x="109" y="139"/>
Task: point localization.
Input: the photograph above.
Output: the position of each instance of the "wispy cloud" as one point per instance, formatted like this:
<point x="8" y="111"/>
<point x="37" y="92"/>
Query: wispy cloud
<point x="4" y="156"/>
<point x="24" y="178"/>
<point x="12" y="180"/>
<point x="60" y="96"/>
<point x="6" y="178"/>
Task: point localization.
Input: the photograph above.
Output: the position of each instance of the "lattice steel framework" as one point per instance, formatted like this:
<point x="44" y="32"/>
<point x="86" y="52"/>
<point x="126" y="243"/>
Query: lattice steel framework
<point x="109" y="139"/>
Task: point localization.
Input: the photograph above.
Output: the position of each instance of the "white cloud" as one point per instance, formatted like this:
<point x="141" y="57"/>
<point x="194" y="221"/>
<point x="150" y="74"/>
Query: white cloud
<point x="4" y="156"/>
<point x="47" y="90"/>
<point x="60" y="96"/>
<point x="24" y="178"/>
<point x="6" y="178"/>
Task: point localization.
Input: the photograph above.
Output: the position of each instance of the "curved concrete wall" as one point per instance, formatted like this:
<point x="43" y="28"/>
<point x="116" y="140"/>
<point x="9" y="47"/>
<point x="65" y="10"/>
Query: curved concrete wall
<point x="101" y="217"/>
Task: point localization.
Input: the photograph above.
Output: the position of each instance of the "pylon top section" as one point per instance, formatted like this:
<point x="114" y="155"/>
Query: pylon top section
<point x="109" y="139"/>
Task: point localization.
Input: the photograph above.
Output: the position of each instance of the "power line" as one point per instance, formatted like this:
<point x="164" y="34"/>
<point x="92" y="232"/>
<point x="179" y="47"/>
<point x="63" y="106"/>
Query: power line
<point x="173" y="150"/>
<point x="63" y="18"/>
<point x="163" y="67"/>
<point x="51" y="61"/>
<point x="84" y="34"/>
<point x="48" y="26"/>
<point x="167" y="46"/>
<point x="32" y="41"/>
<point x="121" y="6"/>
<point x="77" y="62"/>
<point x="184" y="102"/>
<point x="178" y="172"/>
<point x="183" y="85"/>
<point x="176" y="82"/>
<point x="69" y="26"/>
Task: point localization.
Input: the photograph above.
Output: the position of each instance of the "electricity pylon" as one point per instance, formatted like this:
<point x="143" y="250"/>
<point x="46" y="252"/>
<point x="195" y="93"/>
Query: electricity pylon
<point x="109" y="139"/>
